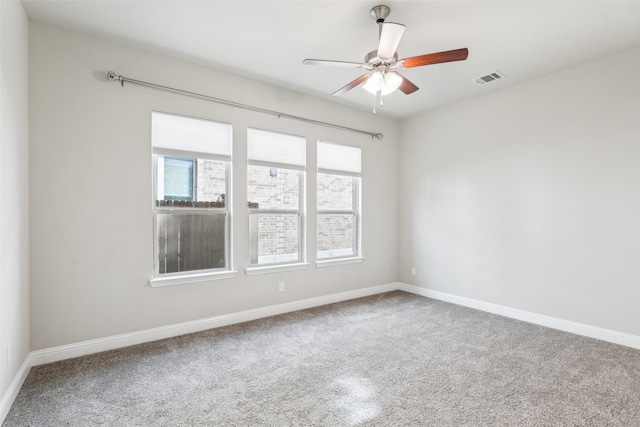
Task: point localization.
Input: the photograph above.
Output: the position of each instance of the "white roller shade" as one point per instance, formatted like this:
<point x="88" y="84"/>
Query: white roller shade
<point x="272" y="147"/>
<point x="181" y="133"/>
<point x="339" y="158"/>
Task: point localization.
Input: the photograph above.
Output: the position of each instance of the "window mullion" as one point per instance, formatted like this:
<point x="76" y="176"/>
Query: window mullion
<point x="273" y="211"/>
<point x="301" y="217"/>
<point x="336" y="212"/>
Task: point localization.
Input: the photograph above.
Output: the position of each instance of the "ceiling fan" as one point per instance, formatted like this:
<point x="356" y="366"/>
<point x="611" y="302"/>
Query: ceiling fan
<point x="381" y="64"/>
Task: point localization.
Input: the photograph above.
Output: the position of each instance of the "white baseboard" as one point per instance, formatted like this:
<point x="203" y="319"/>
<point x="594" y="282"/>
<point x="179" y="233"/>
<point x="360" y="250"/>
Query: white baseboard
<point x="608" y="335"/>
<point x="55" y="354"/>
<point x="14" y="388"/>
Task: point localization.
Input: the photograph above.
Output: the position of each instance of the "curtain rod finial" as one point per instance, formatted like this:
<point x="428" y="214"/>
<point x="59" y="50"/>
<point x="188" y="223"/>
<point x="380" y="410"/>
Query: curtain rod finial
<point x="112" y="76"/>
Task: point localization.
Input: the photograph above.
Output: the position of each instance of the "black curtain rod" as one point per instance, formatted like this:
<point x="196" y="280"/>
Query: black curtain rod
<point x="122" y="79"/>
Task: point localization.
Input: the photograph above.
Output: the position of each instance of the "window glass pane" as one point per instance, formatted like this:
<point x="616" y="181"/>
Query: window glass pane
<point x="335" y="192"/>
<point x="336" y="235"/>
<point x="275" y="238"/>
<point x="178" y="178"/>
<point x="190" y="134"/>
<point x="193" y="183"/>
<point x="211" y="181"/>
<point x="273" y="188"/>
<point x="188" y="241"/>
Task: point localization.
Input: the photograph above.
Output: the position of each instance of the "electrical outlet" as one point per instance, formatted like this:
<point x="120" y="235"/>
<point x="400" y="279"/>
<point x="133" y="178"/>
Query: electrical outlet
<point x="413" y="272"/>
<point x="281" y="287"/>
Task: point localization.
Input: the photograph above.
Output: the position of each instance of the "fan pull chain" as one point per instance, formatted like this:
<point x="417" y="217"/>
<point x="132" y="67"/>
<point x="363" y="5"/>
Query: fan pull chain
<point x="374" y="105"/>
<point x="377" y="96"/>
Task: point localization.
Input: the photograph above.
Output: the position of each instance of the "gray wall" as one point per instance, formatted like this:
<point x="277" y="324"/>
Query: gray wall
<point x="91" y="190"/>
<point x="14" y="191"/>
<point x="530" y="197"/>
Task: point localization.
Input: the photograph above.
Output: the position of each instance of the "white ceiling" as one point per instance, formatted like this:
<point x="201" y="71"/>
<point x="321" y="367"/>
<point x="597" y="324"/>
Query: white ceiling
<point x="267" y="40"/>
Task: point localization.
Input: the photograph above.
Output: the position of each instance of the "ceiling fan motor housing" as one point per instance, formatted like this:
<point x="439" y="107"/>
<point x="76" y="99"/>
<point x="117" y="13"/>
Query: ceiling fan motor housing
<point x="372" y="59"/>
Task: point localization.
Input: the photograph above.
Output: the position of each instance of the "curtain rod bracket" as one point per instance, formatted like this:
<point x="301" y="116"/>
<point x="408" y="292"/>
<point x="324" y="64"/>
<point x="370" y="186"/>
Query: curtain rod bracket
<point x="112" y="76"/>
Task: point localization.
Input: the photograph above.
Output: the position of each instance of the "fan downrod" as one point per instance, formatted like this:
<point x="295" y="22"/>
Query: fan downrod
<point x="380" y="13"/>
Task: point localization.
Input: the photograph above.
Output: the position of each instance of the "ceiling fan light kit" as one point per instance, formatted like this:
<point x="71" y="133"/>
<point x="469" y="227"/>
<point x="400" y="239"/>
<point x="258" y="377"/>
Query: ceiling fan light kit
<point x="385" y="83"/>
<point x="382" y="79"/>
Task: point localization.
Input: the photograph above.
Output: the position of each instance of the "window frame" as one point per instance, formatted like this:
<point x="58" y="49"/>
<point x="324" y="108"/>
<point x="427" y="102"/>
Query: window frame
<point x="190" y="276"/>
<point x="300" y="262"/>
<point x="356" y="212"/>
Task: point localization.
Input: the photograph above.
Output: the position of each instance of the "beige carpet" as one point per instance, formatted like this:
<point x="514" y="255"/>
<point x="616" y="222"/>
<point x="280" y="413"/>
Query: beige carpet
<point x="395" y="359"/>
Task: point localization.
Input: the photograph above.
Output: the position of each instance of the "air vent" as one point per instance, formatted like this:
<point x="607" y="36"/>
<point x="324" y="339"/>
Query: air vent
<point x="489" y="78"/>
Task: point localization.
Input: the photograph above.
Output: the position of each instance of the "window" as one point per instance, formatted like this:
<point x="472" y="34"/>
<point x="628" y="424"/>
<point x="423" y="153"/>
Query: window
<point x="338" y="230"/>
<point x="192" y="170"/>
<point x="275" y="190"/>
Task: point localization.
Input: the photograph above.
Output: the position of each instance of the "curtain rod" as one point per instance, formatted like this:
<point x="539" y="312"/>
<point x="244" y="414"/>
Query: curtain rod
<point x="122" y="79"/>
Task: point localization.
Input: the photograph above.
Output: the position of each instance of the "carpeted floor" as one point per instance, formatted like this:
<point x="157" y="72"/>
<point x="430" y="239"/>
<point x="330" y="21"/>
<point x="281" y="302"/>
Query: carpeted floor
<point x="394" y="359"/>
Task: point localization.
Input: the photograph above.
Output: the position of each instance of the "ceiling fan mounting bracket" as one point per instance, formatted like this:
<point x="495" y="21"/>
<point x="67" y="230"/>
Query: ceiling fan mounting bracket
<point x="380" y="13"/>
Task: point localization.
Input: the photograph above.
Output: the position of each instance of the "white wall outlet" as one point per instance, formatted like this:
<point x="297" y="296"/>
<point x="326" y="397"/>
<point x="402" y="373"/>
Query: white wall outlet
<point x="413" y="272"/>
<point x="281" y="287"/>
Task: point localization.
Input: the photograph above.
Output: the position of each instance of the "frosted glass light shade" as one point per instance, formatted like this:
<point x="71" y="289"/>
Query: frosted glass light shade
<point x="374" y="83"/>
<point x="391" y="82"/>
<point x="383" y="83"/>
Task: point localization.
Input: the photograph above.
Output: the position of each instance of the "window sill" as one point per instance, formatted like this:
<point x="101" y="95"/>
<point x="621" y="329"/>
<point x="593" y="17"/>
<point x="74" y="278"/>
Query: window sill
<point x="191" y="278"/>
<point x="341" y="261"/>
<point x="252" y="271"/>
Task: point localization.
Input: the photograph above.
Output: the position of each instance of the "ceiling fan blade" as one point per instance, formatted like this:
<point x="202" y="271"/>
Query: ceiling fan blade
<point x="389" y="39"/>
<point x="322" y="62"/>
<point x="407" y="87"/>
<point x="351" y="85"/>
<point x="435" y="58"/>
